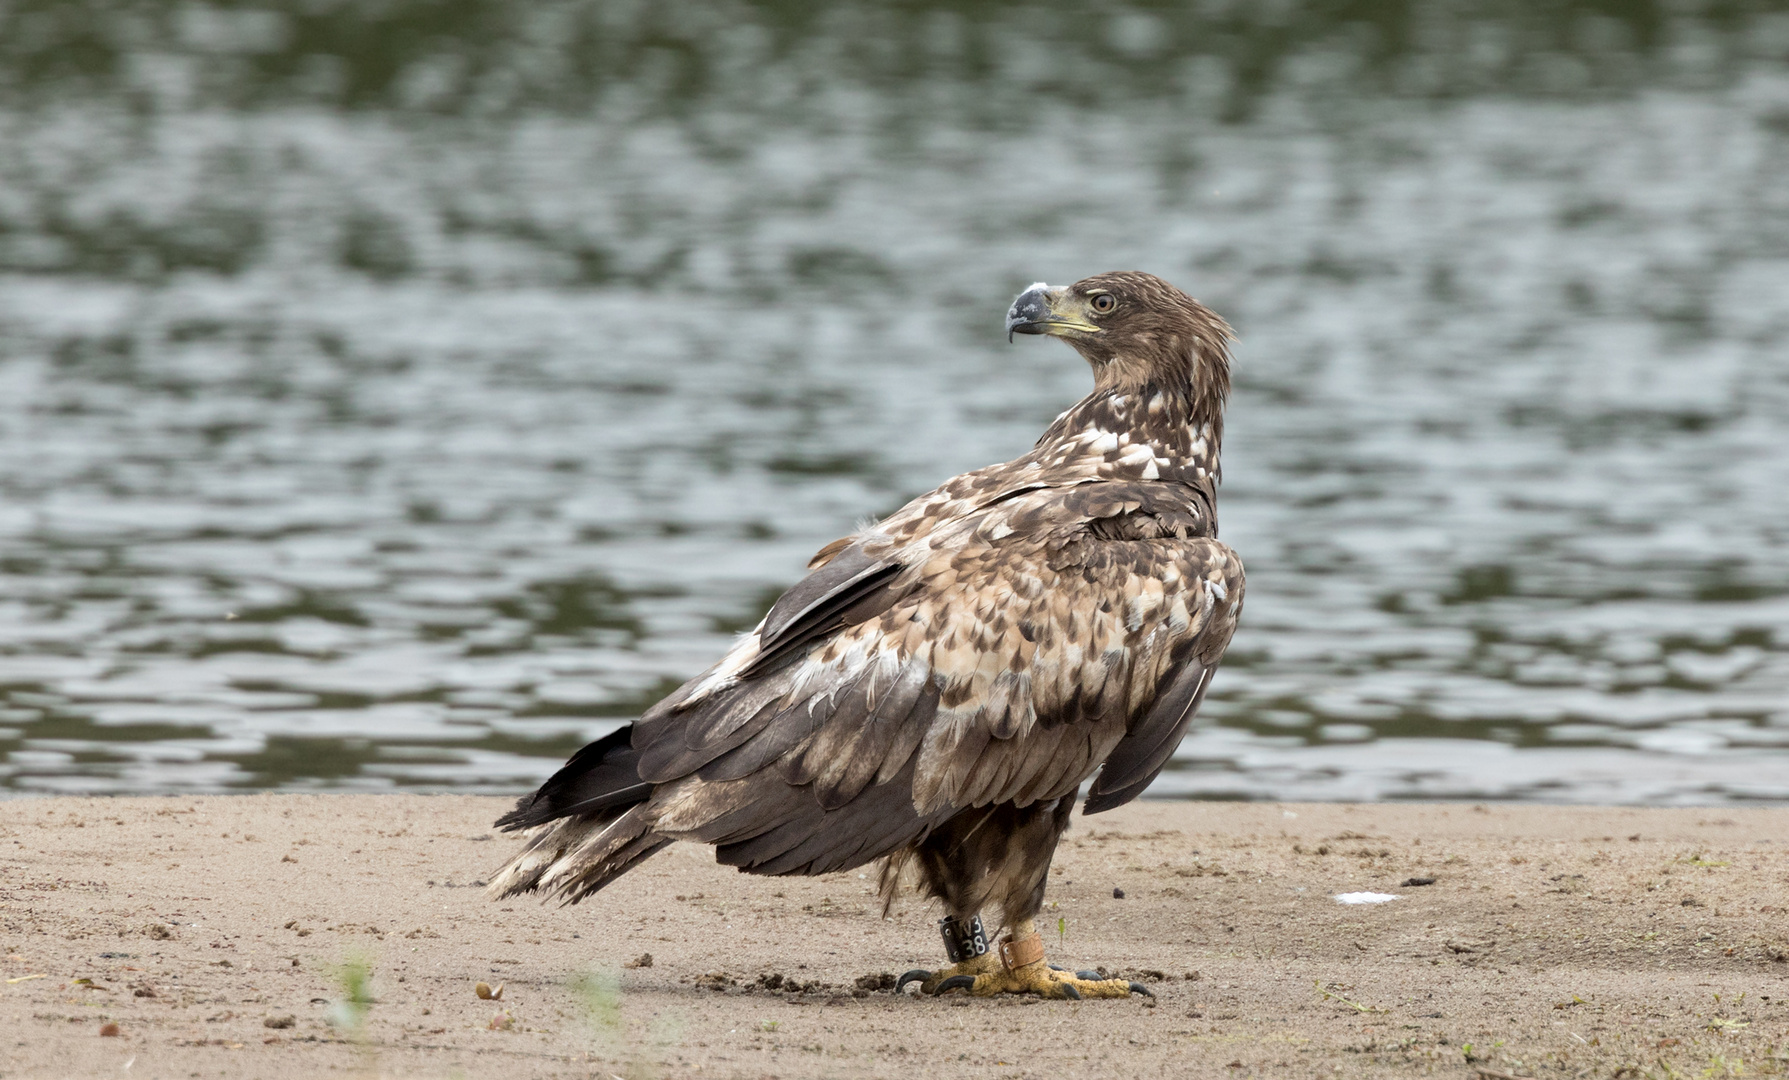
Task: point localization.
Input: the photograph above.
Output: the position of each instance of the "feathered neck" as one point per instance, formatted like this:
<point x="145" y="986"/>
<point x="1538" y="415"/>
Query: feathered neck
<point x="1150" y="431"/>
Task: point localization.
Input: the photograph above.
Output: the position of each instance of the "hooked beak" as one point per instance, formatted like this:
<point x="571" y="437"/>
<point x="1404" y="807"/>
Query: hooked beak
<point x="1043" y="309"/>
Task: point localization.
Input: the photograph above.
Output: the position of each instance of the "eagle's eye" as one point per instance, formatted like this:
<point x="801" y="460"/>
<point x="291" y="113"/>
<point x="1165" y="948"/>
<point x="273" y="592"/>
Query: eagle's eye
<point x="1103" y="303"/>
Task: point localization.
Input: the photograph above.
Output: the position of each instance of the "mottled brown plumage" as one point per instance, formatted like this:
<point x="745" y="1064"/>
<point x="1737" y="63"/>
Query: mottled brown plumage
<point x="941" y="684"/>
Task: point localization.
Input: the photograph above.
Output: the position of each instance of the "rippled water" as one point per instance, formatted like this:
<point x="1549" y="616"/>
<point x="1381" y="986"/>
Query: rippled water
<point x="402" y="395"/>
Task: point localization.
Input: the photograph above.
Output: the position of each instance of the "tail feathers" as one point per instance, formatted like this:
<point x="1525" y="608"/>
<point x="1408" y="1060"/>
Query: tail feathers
<point x="597" y="783"/>
<point x="569" y="859"/>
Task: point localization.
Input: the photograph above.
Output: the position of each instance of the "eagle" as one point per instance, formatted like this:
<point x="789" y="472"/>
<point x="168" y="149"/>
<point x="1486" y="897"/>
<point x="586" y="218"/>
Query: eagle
<point x="938" y="688"/>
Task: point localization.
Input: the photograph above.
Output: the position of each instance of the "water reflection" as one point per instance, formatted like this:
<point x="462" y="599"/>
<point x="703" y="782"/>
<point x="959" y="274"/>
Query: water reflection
<point x="400" y="395"/>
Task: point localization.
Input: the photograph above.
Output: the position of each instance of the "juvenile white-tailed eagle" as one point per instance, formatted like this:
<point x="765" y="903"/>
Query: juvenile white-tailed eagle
<point x="936" y="690"/>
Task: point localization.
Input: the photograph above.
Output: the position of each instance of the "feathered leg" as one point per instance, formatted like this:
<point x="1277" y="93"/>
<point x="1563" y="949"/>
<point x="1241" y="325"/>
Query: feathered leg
<point x="1000" y="855"/>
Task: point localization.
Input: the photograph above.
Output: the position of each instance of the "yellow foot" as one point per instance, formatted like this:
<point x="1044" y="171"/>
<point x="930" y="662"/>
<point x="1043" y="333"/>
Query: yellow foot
<point x="1045" y="981"/>
<point x="969" y="969"/>
<point x="1018" y="967"/>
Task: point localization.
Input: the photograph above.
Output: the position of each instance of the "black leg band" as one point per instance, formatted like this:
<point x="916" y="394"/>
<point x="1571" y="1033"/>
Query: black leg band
<point x="963" y="940"/>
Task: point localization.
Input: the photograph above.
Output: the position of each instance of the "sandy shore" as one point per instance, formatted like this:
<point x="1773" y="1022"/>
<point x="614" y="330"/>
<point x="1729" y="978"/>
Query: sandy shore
<point x="1554" y="942"/>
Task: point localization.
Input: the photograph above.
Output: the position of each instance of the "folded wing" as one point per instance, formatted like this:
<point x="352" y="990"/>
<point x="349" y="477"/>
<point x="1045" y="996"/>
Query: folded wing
<point x="1001" y="656"/>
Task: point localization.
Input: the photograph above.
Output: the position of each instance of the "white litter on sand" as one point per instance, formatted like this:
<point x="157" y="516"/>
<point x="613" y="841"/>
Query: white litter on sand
<point x="1365" y="898"/>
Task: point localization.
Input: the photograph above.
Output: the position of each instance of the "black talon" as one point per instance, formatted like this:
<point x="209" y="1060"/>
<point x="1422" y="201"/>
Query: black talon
<point x="916" y="975"/>
<point x="955" y="982"/>
<point x="1069" y="992"/>
<point x="1057" y="967"/>
<point x="1139" y="988"/>
<point x="1090" y="976"/>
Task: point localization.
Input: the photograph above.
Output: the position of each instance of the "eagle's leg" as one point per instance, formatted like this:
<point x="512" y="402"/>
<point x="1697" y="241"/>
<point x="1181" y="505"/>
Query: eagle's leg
<point x="1021" y="970"/>
<point x="1001" y="856"/>
<point x="967" y="946"/>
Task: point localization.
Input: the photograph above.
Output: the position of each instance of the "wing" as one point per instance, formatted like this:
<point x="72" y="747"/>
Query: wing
<point x="1000" y="656"/>
<point x="1137" y="759"/>
<point x="849" y="588"/>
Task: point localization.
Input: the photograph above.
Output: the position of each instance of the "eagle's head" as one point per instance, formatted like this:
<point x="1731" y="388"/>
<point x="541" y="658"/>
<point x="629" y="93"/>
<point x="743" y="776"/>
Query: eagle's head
<point x="1136" y="330"/>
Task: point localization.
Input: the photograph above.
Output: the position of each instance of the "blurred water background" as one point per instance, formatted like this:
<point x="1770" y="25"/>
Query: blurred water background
<point x="398" y="393"/>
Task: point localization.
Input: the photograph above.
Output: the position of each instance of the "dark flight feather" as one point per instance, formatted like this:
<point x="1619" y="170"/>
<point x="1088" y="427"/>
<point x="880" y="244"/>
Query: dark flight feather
<point x="849" y="588"/>
<point x="1140" y="755"/>
<point x="598" y="777"/>
<point x="821" y="841"/>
